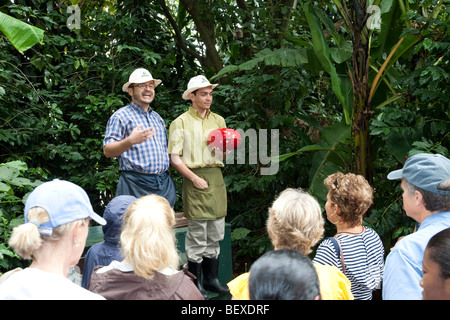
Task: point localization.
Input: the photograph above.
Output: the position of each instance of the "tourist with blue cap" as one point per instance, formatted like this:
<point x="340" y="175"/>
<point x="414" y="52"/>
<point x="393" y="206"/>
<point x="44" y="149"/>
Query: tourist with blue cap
<point x="53" y="237"/>
<point x="426" y="199"/>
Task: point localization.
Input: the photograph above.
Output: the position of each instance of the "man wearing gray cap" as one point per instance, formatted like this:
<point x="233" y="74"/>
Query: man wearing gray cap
<point x="136" y="135"/>
<point x="426" y="199"/>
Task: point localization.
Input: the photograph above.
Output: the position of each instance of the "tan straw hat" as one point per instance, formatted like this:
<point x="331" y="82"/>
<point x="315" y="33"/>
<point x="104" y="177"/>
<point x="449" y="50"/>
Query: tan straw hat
<point x="140" y="75"/>
<point x="195" y="83"/>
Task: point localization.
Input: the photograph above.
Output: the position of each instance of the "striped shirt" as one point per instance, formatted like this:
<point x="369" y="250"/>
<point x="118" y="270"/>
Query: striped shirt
<point x="150" y="156"/>
<point x="363" y="258"/>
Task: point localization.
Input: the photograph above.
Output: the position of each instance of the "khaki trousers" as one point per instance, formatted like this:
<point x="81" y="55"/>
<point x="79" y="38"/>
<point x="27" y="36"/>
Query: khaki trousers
<point x="202" y="239"/>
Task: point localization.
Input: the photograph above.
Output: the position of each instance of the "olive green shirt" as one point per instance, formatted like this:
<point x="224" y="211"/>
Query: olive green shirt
<point x="188" y="136"/>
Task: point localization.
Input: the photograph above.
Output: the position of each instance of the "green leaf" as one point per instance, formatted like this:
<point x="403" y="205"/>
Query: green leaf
<point x="334" y="159"/>
<point x="314" y="147"/>
<point x="239" y="234"/>
<point x="4" y="187"/>
<point x="22" y="35"/>
<point x="320" y="47"/>
<point x="283" y="57"/>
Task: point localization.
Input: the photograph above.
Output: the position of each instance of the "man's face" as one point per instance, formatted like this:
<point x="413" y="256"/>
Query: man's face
<point x="202" y="99"/>
<point x="142" y="93"/>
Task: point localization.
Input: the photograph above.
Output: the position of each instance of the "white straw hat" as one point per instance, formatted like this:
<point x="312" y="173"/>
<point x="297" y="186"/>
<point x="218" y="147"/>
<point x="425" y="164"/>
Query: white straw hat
<point x="140" y="75"/>
<point x="195" y="83"/>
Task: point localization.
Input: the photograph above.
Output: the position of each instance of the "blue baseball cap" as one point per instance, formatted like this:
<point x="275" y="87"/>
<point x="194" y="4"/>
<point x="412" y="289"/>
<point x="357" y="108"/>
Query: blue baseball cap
<point x="64" y="202"/>
<point x="426" y="171"/>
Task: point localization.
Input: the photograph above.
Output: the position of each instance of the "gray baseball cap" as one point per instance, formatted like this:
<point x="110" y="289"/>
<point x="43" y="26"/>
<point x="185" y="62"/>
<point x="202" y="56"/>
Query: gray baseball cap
<point x="426" y="171"/>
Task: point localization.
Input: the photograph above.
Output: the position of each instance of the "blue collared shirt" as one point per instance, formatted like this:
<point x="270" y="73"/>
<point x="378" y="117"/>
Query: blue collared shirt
<point x="150" y="156"/>
<point x="403" y="267"/>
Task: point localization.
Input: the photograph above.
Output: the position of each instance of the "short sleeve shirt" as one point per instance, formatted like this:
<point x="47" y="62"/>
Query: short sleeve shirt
<point x="150" y="156"/>
<point x="188" y="138"/>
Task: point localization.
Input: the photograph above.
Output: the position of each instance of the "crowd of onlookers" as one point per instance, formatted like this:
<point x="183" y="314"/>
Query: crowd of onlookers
<point x="138" y="258"/>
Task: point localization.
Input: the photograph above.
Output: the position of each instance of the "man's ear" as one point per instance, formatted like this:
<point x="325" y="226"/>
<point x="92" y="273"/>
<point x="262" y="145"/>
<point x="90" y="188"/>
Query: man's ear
<point x="130" y="91"/>
<point x="418" y="198"/>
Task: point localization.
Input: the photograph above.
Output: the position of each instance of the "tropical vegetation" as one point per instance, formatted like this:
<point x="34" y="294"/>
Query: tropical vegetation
<point x="355" y="86"/>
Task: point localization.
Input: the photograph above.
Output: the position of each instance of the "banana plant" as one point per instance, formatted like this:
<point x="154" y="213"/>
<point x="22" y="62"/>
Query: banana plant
<point x="364" y="21"/>
<point x="360" y="61"/>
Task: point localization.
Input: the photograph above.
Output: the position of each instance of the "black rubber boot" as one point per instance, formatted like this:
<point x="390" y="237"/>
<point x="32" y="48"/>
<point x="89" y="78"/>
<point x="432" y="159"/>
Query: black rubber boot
<point x="211" y="282"/>
<point x="196" y="269"/>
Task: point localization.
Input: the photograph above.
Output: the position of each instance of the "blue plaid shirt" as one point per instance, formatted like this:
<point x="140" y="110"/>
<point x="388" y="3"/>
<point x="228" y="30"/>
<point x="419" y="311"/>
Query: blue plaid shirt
<point x="150" y="156"/>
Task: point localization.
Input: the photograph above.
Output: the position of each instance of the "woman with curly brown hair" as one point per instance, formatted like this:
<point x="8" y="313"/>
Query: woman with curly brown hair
<point x="355" y="249"/>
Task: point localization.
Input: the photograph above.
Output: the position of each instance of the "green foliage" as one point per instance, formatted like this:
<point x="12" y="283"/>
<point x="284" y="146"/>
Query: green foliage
<point x="285" y="69"/>
<point x="14" y="188"/>
<point x="22" y="35"/>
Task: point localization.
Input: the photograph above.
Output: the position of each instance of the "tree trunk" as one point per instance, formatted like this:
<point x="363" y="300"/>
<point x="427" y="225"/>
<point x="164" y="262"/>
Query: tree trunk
<point x="204" y="21"/>
<point x="360" y="83"/>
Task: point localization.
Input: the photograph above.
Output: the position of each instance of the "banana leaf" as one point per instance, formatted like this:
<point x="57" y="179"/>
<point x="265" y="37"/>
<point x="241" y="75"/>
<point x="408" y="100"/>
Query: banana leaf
<point x="22" y="35"/>
<point x="322" y="51"/>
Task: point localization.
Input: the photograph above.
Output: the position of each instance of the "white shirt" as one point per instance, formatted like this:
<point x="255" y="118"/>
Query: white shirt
<point x="128" y="267"/>
<point x="36" y="284"/>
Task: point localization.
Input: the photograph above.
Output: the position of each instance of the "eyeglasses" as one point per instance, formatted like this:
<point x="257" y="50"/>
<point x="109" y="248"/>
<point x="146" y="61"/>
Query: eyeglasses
<point x="143" y="86"/>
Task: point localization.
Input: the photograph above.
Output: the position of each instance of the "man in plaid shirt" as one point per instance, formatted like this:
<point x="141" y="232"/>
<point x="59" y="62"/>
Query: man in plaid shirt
<point x="136" y="135"/>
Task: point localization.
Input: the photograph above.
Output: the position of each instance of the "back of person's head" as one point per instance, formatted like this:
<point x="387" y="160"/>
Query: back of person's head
<point x="26" y="238"/>
<point x="295" y="221"/>
<point x="352" y="194"/>
<point x="438" y="249"/>
<point x="283" y="275"/>
<point x="147" y="239"/>
<point x="52" y="210"/>
<point x="113" y="214"/>
<point x="433" y="201"/>
<point x="430" y="175"/>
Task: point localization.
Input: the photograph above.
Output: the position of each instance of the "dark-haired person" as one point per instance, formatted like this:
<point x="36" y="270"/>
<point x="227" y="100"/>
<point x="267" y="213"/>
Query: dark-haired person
<point x="136" y="135"/>
<point x="204" y="192"/>
<point x="283" y="275"/>
<point x="436" y="267"/>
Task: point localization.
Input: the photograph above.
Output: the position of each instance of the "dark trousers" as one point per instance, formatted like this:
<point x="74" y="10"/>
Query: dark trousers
<point x="140" y="184"/>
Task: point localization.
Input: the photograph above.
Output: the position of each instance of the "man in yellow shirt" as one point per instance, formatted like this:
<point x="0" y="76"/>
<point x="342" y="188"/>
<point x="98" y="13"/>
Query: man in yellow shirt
<point x="204" y="193"/>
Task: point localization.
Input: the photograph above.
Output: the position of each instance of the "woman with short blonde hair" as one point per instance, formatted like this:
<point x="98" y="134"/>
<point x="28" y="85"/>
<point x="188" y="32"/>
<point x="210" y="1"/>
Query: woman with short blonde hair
<point x="295" y="221"/>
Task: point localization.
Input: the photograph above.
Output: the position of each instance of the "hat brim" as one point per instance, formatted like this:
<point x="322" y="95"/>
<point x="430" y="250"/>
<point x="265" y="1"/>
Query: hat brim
<point x="97" y="219"/>
<point x="394" y="175"/>
<point x="186" y="93"/>
<point x="126" y="85"/>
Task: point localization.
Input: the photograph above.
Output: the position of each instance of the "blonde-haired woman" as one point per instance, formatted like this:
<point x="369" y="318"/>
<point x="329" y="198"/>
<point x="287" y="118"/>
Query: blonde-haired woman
<point x="56" y="225"/>
<point x="149" y="270"/>
<point x="295" y="222"/>
<point x="356" y="250"/>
